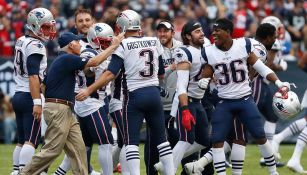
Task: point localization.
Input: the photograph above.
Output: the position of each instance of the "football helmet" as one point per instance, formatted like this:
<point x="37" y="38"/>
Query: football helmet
<point x="41" y="22"/>
<point x="100" y="35"/>
<point x="128" y="20"/>
<point x="286" y="105"/>
<point x="277" y="24"/>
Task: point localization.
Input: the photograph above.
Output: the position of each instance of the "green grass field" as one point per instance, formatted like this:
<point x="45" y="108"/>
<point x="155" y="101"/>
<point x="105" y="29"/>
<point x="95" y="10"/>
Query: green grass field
<point x="251" y="164"/>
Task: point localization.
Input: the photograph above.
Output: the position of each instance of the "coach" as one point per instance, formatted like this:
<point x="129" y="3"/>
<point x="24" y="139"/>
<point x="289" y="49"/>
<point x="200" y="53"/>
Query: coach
<point x="63" y="130"/>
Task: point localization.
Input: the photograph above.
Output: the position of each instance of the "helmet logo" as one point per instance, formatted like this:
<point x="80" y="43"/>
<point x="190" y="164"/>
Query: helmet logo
<point x="98" y="29"/>
<point x="279" y="106"/>
<point x="39" y="15"/>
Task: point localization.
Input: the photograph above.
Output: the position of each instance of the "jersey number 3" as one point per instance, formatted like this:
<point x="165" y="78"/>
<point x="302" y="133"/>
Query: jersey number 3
<point x="231" y="71"/>
<point x="149" y="65"/>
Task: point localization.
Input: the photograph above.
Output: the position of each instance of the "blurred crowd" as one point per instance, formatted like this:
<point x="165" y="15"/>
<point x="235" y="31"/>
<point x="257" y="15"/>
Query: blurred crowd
<point x="246" y="15"/>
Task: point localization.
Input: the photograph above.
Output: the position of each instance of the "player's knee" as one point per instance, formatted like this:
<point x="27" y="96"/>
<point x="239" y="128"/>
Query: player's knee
<point x="261" y="141"/>
<point x="218" y="145"/>
<point x="239" y="142"/>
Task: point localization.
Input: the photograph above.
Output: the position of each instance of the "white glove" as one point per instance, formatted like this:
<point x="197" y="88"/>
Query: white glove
<point x="203" y="83"/>
<point x="283" y="86"/>
<point x="283" y="64"/>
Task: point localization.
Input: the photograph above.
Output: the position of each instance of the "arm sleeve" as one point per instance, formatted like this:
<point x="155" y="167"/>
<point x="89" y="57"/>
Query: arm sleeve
<point x="183" y="81"/>
<point x="115" y="64"/>
<point x="161" y="70"/>
<point x="120" y="51"/>
<point x="35" y="47"/>
<point x="74" y="62"/>
<point x="262" y="69"/>
<point x="182" y="54"/>
<point x="33" y="63"/>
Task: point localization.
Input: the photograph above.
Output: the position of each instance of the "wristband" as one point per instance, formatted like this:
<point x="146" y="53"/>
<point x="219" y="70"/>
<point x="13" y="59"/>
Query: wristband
<point x="37" y="101"/>
<point x="278" y="83"/>
<point x="184" y="108"/>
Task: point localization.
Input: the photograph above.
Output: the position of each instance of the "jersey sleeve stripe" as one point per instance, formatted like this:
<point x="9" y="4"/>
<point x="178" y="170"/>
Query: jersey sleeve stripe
<point x="204" y="55"/>
<point x="248" y="45"/>
<point x="188" y="53"/>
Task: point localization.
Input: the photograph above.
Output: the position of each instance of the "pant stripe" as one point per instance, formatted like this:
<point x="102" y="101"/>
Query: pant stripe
<point x="96" y="129"/>
<point x="126" y="116"/>
<point x="104" y="127"/>
<point x="120" y="129"/>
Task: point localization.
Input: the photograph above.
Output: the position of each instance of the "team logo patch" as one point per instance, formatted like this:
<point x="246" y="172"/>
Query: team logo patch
<point x="38" y="45"/>
<point x="179" y="55"/>
<point x="39" y="15"/>
<point x="98" y="29"/>
<point x="261" y="52"/>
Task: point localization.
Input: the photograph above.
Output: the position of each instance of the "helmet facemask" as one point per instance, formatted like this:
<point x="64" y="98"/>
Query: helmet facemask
<point x="103" y="43"/>
<point x="47" y="31"/>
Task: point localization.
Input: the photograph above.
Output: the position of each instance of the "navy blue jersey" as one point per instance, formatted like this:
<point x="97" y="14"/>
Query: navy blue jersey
<point x="60" y="80"/>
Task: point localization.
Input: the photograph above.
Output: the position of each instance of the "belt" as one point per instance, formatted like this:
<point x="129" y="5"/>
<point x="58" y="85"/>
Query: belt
<point x="56" y="100"/>
<point x="191" y="99"/>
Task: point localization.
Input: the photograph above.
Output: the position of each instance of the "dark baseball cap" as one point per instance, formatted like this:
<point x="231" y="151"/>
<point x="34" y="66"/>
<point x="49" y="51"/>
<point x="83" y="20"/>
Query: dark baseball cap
<point x="67" y="37"/>
<point x="168" y="25"/>
<point x="190" y="27"/>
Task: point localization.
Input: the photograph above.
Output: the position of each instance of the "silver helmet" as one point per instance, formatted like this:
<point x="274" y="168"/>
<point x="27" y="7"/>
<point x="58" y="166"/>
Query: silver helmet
<point x="273" y="20"/>
<point x="100" y="36"/>
<point x="286" y="105"/>
<point x="41" y="22"/>
<point x="128" y="20"/>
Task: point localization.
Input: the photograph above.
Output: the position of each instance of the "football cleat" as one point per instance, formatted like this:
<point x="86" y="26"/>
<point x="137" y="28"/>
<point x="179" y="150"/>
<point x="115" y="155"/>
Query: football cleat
<point x="296" y="167"/>
<point x="193" y="168"/>
<point x="15" y="172"/>
<point x="159" y="167"/>
<point x="95" y="173"/>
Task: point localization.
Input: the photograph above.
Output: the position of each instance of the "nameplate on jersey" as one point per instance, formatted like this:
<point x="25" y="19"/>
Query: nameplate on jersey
<point x="140" y="44"/>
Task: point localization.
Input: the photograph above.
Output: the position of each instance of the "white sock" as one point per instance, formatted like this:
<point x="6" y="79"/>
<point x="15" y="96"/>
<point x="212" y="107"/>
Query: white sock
<point x="267" y="154"/>
<point x="269" y="129"/>
<point x="16" y="154"/>
<point x="178" y="152"/>
<point x="166" y="157"/>
<point x="64" y="167"/>
<point x="206" y="159"/>
<point x="133" y="159"/>
<point x="291" y="130"/>
<point x="219" y="160"/>
<point x="237" y="158"/>
<point x="123" y="161"/>
<point x="105" y="158"/>
<point x="195" y="147"/>
<point x="227" y="147"/>
<point x="26" y="154"/>
<point x="114" y="134"/>
<point x="115" y="155"/>
<point x="300" y="145"/>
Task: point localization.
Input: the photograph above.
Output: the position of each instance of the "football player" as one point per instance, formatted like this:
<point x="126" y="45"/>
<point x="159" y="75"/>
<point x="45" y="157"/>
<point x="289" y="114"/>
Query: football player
<point x="191" y="112"/>
<point x="30" y="64"/>
<point x="140" y="58"/>
<point x="227" y="60"/>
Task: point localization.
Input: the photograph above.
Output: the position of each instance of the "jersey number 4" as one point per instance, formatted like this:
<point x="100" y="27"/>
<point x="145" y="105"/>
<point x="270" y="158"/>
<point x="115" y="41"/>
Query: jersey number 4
<point x="231" y="71"/>
<point x="18" y="63"/>
<point x="148" y="56"/>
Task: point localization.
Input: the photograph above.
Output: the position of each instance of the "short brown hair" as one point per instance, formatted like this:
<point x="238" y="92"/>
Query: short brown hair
<point x="79" y="11"/>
